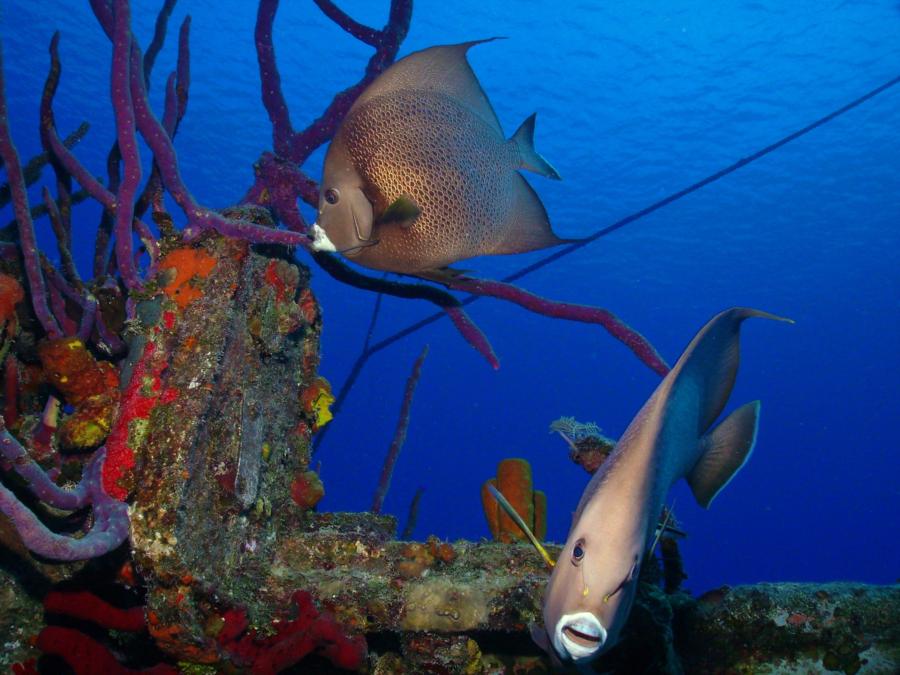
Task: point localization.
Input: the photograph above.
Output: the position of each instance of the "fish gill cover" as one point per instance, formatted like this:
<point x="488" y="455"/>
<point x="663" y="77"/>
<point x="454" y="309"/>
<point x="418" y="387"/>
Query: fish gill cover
<point x="636" y="102"/>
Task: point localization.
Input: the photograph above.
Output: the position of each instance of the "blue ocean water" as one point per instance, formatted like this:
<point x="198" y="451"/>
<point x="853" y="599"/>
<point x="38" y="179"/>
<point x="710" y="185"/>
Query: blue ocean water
<point x="635" y="101"/>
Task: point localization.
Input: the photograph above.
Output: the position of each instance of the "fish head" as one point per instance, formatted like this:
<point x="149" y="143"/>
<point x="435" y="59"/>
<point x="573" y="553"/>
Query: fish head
<point x="345" y="217"/>
<point x="588" y="597"/>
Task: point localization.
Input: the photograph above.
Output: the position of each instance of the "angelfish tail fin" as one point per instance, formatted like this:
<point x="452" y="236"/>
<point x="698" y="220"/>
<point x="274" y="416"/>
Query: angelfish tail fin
<point x="726" y="448"/>
<point x="711" y="360"/>
<point x="528" y="156"/>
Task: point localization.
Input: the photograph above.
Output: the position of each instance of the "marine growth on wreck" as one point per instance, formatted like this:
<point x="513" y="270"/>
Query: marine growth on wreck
<point x="163" y="402"/>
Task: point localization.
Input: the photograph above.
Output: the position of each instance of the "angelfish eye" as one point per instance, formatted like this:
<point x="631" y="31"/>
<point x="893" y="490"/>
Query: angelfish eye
<point x="578" y="552"/>
<point x="332" y="196"/>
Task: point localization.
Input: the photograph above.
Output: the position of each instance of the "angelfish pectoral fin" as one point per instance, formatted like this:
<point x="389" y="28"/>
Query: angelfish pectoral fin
<point x="402" y="211"/>
<point x="726" y="449"/>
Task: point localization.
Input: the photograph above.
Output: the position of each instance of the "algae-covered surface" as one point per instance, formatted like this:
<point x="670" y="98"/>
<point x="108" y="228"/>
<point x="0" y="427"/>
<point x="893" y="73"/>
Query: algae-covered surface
<point x="21" y="618"/>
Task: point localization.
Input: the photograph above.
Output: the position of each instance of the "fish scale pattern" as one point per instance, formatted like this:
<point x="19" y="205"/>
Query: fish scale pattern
<point x="456" y="167"/>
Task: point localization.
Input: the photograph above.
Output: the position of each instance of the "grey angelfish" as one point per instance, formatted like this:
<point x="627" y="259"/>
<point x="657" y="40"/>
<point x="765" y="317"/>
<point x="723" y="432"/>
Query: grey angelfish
<point x="419" y="174"/>
<point x="591" y="590"/>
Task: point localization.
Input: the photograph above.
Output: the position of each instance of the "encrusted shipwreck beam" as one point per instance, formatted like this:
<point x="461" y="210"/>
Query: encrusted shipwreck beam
<point x="465" y="608"/>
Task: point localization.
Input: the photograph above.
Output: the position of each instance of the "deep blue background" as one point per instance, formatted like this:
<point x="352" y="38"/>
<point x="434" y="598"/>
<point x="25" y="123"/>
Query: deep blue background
<point x="635" y="100"/>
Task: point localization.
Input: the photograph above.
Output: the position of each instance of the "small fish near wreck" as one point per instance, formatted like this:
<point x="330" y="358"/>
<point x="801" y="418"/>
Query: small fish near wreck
<point x="592" y="588"/>
<point x="420" y="175"/>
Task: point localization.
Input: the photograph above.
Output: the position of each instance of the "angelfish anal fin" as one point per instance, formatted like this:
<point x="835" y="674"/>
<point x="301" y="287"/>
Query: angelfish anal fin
<point x="402" y="211"/>
<point x="726" y="448"/>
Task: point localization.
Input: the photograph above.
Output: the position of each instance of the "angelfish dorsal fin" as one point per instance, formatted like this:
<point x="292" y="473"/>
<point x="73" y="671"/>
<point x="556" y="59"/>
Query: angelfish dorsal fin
<point x="530" y="158"/>
<point x="727" y="448"/>
<point x="443" y="69"/>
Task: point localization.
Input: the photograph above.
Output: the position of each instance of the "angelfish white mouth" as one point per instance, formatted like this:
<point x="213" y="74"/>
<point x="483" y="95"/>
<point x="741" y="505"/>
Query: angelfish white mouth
<point x="579" y="635"/>
<point x="320" y="240"/>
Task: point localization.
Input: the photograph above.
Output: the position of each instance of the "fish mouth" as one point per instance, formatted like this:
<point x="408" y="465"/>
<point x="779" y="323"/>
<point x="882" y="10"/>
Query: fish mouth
<point x="579" y="635"/>
<point x="320" y="240"/>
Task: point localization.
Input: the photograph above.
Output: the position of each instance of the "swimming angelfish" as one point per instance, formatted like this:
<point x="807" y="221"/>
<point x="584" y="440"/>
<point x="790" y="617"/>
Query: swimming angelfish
<point x="592" y="588"/>
<point x="419" y="174"/>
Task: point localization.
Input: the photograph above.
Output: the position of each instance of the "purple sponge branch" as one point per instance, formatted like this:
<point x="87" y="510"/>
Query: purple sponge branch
<point x="126" y="136"/>
<point x="63" y="240"/>
<point x="361" y="32"/>
<point x="63" y="221"/>
<point x="160" y="143"/>
<point x="159" y="37"/>
<point x="59" y="286"/>
<point x="467" y="328"/>
<point x="175" y="107"/>
<point x="272" y="97"/>
<point x="473" y="334"/>
<point x="51" y="141"/>
<point x="36" y="479"/>
<point x="278" y="184"/>
<point x="35" y="165"/>
<point x="71" y="164"/>
<point x="183" y="67"/>
<point x="10" y="157"/>
<point x="170" y="109"/>
<point x="58" y="307"/>
<point x="298" y="146"/>
<point x="636" y="342"/>
<point x="110" y="517"/>
<point x="199" y="218"/>
<point x="387" y="44"/>
<point x="384" y="482"/>
<point x="103" y="10"/>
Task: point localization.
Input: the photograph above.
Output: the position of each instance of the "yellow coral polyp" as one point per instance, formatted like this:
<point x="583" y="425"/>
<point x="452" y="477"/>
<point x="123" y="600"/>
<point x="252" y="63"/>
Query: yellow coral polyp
<point x="323" y="408"/>
<point x="316" y="400"/>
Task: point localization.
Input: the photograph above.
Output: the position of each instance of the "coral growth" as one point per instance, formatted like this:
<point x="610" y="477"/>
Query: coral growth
<point x="182" y="272"/>
<point x="90" y="386"/>
<point x="11" y="294"/>
<point x="307" y="489"/>
<point x="588" y="447"/>
<point x="417" y="558"/>
<point x="308" y="631"/>
<point x="281" y="308"/>
<point x="514" y="482"/>
<point x="315" y="401"/>
<point x="85" y="631"/>
<point x="145" y="391"/>
<point x="387" y="471"/>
